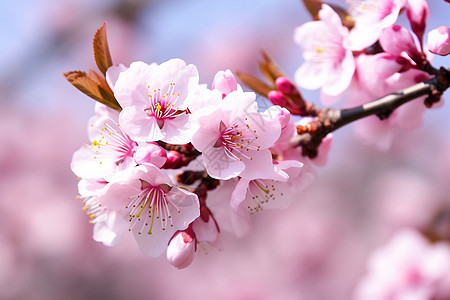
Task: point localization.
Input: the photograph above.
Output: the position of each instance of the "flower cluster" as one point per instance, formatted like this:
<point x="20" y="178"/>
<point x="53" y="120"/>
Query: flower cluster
<point x="150" y="167"/>
<point x="365" y="52"/>
<point x="175" y="162"/>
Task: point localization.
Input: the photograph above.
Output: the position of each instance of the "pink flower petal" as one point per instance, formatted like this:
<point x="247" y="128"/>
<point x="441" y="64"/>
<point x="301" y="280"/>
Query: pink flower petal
<point x="439" y="40"/>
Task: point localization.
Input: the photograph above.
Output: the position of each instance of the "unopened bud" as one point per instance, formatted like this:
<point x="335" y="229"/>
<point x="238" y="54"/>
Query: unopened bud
<point x="286" y="86"/>
<point x="439" y="40"/>
<point x="277" y="98"/>
<point x="225" y="82"/>
<point x="173" y="160"/>
<point x="181" y="249"/>
<point x="150" y="153"/>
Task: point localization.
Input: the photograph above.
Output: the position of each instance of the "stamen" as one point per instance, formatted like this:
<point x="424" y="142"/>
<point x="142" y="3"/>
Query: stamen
<point x="162" y="106"/>
<point x="150" y="203"/>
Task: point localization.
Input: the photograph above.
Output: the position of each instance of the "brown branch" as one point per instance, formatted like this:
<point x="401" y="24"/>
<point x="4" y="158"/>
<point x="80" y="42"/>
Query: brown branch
<point x="329" y="120"/>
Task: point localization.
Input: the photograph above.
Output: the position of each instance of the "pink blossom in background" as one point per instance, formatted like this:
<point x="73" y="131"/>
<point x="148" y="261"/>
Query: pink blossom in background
<point x="439" y="40"/>
<point x="367" y="87"/>
<point x="370" y="17"/>
<point x="404" y="197"/>
<point x="408" y="267"/>
<point x="328" y="64"/>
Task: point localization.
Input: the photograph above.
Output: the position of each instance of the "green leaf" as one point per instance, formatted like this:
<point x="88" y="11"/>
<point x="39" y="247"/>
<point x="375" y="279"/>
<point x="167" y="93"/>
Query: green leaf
<point x="101" y="50"/>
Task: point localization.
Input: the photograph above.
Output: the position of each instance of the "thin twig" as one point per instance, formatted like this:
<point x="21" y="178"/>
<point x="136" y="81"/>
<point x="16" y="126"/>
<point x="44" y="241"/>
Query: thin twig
<point x="330" y="120"/>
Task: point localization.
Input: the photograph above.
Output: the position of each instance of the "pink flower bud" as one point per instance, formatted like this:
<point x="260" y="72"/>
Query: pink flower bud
<point x="225" y="82"/>
<point x="181" y="249"/>
<point x="286" y="86"/>
<point x="277" y="98"/>
<point x="150" y="153"/>
<point x="173" y="160"/>
<point x="396" y="39"/>
<point x="417" y="12"/>
<point x="439" y="41"/>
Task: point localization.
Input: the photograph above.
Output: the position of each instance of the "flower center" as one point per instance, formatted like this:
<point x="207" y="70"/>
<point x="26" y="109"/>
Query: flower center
<point x="380" y="8"/>
<point x="113" y="144"/>
<point x="237" y="140"/>
<point x="261" y="191"/>
<point x="150" y="204"/>
<point x="163" y="106"/>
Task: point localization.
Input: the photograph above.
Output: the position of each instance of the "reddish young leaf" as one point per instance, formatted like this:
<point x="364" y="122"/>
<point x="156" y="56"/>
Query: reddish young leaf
<point x="92" y="88"/>
<point x="255" y="84"/>
<point x="313" y="6"/>
<point x="101" y="50"/>
<point x="269" y="68"/>
<point x="101" y="81"/>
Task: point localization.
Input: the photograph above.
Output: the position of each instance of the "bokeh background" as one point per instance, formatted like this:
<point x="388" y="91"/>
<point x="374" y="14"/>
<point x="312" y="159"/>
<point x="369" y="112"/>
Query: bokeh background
<point x="317" y="249"/>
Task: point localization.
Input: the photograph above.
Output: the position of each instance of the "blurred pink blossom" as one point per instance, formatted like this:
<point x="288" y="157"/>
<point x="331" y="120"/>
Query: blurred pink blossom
<point x="367" y="87"/>
<point x="328" y="64"/>
<point x="397" y="39"/>
<point x="439" y="40"/>
<point x="370" y="17"/>
<point x="408" y="267"/>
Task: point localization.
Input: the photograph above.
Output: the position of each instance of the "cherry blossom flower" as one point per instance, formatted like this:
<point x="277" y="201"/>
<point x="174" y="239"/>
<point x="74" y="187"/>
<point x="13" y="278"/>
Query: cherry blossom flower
<point x="90" y="191"/>
<point x="408" y="267"/>
<point x="111" y="149"/>
<point x="234" y="138"/>
<point x="155" y="100"/>
<point x="328" y="64"/>
<point x="439" y="40"/>
<point x="252" y="196"/>
<point x="370" y="17"/>
<point x="236" y="221"/>
<point x="268" y="192"/>
<point x="147" y="203"/>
